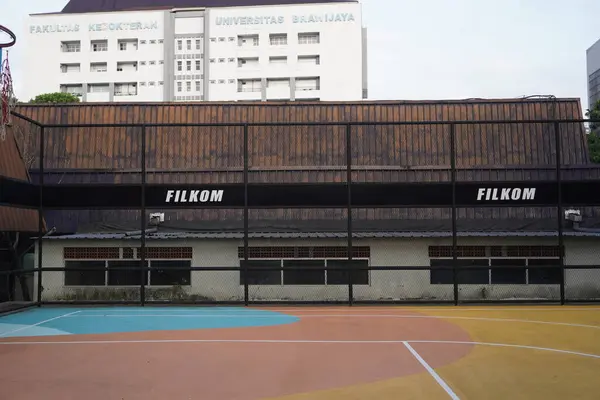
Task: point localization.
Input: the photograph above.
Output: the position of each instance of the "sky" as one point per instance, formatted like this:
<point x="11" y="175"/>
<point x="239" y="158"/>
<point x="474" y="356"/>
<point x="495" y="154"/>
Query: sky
<point x="447" y="49"/>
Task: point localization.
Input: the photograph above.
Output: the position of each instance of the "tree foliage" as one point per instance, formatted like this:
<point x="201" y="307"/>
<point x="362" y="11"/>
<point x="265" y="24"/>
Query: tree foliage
<point x="594" y="135"/>
<point x="56" y="97"/>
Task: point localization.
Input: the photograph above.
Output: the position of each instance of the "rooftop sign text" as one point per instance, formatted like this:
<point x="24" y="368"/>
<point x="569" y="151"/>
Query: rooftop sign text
<point x="102" y="27"/>
<point x="295" y="19"/>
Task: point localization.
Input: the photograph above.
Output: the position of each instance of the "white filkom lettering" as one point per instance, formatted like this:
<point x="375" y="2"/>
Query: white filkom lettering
<point x="505" y="194"/>
<point x="194" y="196"/>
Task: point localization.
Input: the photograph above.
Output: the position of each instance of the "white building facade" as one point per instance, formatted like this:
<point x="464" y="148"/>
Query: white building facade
<point x="530" y="278"/>
<point x="259" y="53"/>
<point x="593" y="73"/>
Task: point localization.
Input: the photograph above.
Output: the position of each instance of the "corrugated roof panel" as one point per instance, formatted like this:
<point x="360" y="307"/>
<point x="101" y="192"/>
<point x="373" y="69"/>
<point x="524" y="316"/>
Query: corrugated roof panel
<point x="312" y="235"/>
<point x="309" y="154"/>
<point x="12" y="165"/>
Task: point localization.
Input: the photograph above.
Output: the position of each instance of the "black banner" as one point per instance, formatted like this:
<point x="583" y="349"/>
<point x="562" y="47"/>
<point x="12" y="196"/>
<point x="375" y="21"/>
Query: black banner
<point x="300" y="195"/>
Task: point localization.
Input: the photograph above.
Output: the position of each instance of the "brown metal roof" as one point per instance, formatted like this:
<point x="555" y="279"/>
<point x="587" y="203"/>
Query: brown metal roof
<point x="307" y="154"/>
<point x="419" y="146"/>
<point x="12" y="165"/>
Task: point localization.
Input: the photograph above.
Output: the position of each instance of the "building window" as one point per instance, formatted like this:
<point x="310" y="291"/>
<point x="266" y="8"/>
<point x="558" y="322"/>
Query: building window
<point x="153" y="42"/>
<point x="179" y="45"/>
<point x="161" y="41"/>
<point x="76" y="89"/>
<point x="221" y="60"/>
<point x="98" y="67"/>
<point x="99" y="45"/>
<point x="304" y="266"/>
<point x="179" y="84"/>
<point x="214" y="40"/>
<point x="167" y="267"/>
<point x="278" y="83"/>
<point x="179" y="65"/>
<point x="188" y="86"/>
<point x="161" y="62"/>
<point x="70" y="47"/>
<point x="496" y="265"/>
<point x="278" y="60"/>
<point x="249" y="85"/>
<point x="247" y="40"/>
<point x="198" y="65"/>
<point x="126" y="89"/>
<point x="221" y="39"/>
<point x="248" y="62"/>
<point x="127" y="44"/>
<point x="310" y="60"/>
<point x="232" y="81"/>
<point x="197" y="44"/>
<point x="152" y="62"/>
<point x="188" y="65"/>
<point x="309" y="38"/>
<point x="198" y="87"/>
<point x="188" y="44"/>
<point x="303" y="84"/>
<point x="169" y="273"/>
<point x="67" y="68"/>
<point x="98" y="88"/>
<point x="85" y="273"/>
<point x="142" y="42"/>
<point x="212" y="60"/>
<point x="127" y="66"/>
<point x="277" y="39"/>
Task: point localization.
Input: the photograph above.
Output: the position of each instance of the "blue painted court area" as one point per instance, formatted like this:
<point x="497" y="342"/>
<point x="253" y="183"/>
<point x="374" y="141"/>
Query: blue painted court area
<point x="80" y="321"/>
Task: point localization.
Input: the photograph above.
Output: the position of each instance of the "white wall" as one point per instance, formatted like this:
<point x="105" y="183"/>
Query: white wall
<point x="43" y="54"/>
<point x="339" y="49"/>
<point x="387" y="285"/>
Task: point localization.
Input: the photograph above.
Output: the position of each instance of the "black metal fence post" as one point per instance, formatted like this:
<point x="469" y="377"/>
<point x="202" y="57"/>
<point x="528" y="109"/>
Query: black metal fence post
<point x="560" y="211"/>
<point x="40" y="286"/>
<point x="454" y="235"/>
<point x="350" y="271"/>
<point x="144" y="272"/>
<point x="245" y="269"/>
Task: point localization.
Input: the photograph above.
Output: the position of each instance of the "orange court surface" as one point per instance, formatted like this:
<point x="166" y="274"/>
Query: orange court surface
<point x="301" y="353"/>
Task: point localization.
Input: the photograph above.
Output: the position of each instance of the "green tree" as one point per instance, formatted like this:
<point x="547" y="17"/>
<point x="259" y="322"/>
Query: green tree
<point x="594" y="135"/>
<point x="57" y="97"/>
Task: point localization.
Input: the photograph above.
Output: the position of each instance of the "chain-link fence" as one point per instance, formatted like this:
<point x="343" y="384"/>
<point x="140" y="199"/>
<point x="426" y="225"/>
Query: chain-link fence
<point x="312" y="213"/>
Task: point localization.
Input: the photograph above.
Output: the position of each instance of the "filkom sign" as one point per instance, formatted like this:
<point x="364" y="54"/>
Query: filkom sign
<point x="99" y="27"/>
<point x="278" y="20"/>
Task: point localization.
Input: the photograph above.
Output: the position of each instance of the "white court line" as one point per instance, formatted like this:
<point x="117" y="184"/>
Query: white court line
<point x="242" y="316"/>
<point x="39" y="323"/>
<point x="328" y="309"/>
<point x="426" y="308"/>
<point x="433" y="374"/>
<point x="276" y="341"/>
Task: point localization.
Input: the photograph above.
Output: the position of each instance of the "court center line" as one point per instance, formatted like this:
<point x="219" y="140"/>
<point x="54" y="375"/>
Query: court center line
<point x="283" y="341"/>
<point x="38" y="323"/>
<point x="431" y="372"/>
<point x="259" y="316"/>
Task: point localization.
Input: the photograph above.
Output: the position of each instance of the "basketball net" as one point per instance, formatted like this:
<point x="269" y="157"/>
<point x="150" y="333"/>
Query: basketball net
<point x="7" y="97"/>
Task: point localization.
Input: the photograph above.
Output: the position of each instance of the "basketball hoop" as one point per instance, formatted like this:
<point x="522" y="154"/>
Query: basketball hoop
<point x="7" y="96"/>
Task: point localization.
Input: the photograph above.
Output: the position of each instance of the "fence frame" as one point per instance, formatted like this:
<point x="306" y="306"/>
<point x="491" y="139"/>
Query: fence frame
<point x="555" y="123"/>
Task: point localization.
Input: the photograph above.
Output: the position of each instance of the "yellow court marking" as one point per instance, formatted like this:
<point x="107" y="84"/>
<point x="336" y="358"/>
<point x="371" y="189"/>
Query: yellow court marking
<point x="517" y="373"/>
<point x="417" y="387"/>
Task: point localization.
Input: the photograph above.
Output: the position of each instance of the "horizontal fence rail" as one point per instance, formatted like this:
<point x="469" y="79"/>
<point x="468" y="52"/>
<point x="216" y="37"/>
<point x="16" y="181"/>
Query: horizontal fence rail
<point x="229" y="181"/>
